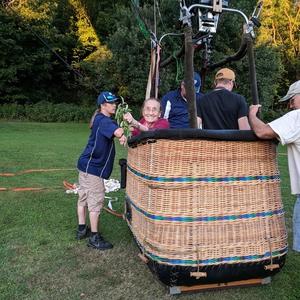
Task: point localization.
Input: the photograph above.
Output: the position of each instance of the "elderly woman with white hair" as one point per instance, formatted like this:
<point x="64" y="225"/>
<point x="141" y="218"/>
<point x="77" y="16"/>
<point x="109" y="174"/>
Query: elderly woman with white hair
<point x="151" y="111"/>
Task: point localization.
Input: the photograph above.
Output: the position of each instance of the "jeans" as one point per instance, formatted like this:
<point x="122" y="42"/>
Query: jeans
<point x="296" y="225"/>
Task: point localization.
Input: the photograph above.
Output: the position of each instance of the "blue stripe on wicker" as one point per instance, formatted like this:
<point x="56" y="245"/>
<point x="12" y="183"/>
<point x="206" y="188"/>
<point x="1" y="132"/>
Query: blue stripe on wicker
<point x="204" y="179"/>
<point x="211" y="261"/>
<point x="206" y="219"/>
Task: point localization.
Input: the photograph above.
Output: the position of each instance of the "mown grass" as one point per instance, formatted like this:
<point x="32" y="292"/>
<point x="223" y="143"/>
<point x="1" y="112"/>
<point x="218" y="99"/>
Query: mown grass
<point x="39" y="258"/>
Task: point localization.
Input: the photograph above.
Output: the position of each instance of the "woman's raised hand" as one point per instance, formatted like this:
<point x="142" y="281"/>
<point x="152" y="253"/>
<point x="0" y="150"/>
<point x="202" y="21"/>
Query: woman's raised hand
<point x="128" y="117"/>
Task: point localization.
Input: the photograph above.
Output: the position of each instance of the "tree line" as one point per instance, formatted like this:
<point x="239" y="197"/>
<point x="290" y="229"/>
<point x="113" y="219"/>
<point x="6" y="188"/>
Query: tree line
<point x="66" y="51"/>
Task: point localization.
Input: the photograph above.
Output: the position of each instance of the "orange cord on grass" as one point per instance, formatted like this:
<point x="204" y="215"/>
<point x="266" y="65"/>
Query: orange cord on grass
<point x="70" y="186"/>
<point x="24" y="189"/>
<point x="66" y="184"/>
<point x="114" y="213"/>
<point x="33" y="171"/>
<point x="7" y="174"/>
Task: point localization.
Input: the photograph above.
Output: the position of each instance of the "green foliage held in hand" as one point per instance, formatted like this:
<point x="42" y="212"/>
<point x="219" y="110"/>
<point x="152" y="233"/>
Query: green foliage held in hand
<point x="121" y="110"/>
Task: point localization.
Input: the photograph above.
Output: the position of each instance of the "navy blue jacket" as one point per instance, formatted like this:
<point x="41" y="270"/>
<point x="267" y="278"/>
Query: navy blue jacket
<point x="175" y="109"/>
<point x="99" y="154"/>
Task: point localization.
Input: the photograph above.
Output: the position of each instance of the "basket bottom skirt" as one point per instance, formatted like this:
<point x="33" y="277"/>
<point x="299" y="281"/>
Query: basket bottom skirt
<point x="175" y="275"/>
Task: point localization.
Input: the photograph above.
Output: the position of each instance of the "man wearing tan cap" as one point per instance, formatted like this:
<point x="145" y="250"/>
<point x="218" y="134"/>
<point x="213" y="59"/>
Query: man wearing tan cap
<point x="221" y="108"/>
<point x="287" y="130"/>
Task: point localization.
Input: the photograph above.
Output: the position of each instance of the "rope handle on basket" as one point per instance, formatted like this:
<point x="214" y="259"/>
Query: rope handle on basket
<point x="198" y="274"/>
<point x="148" y="141"/>
<point x="271" y="266"/>
<point x="143" y="142"/>
<point x="142" y="255"/>
<point x="143" y="258"/>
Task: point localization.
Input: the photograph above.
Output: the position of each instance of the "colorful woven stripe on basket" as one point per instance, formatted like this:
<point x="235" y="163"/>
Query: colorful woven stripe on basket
<point x="206" y="219"/>
<point x="204" y="179"/>
<point x="211" y="261"/>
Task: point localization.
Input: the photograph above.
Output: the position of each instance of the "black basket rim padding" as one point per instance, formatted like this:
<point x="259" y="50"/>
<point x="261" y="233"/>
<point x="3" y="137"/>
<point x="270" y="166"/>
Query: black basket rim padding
<point x="188" y="133"/>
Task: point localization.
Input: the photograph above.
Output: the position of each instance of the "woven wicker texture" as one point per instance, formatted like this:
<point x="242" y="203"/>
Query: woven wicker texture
<point x="199" y="202"/>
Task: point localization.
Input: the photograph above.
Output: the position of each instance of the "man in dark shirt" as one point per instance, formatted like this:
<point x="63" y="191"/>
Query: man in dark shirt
<point x="221" y="108"/>
<point x="175" y="107"/>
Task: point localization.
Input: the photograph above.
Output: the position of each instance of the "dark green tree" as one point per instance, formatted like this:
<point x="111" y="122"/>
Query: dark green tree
<point x="24" y="63"/>
<point x="108" y="43"/>
<point x="46" y="45"/>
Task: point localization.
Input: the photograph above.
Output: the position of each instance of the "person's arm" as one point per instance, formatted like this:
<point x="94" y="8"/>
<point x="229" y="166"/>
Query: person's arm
<point x="134" y="123"/>
<point x="167" y="110"/>
<point x="199" y="122"/>
<point x="243" y="123"/>
<point x="243" y="111"/>
<point x="119" y="133"/>
<point x="198" y="106"/>
<point x="165" y="107"/>
<point x="262" y="130"/>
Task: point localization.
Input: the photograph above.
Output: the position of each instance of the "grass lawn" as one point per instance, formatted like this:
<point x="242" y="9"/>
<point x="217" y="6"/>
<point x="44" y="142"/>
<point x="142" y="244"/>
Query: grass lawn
<point x="39" y="257"/>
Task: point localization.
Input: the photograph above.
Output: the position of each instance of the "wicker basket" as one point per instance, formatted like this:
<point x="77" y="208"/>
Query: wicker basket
<point x="201" y="202"/>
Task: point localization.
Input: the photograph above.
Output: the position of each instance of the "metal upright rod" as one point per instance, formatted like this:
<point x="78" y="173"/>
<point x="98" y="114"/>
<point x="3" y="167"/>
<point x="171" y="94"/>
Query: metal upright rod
<point x="189" y="76"/>
<point x="252" y="70"/>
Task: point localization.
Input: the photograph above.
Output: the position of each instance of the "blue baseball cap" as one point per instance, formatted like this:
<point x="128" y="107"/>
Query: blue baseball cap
<point x="197" y="82"/>
<point x="106" y="97"/>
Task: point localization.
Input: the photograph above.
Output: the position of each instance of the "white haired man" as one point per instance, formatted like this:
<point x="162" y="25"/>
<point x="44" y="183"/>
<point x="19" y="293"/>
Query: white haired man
<point x="287" y="130"/>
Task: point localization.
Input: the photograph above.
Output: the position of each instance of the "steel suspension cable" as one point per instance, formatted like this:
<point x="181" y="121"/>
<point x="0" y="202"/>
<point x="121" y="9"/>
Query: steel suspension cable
<point x="48" y="46"/>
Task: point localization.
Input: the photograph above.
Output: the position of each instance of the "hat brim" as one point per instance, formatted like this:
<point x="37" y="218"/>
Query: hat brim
<point x="113" y="100"/>
<point x="286" y="98"/>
